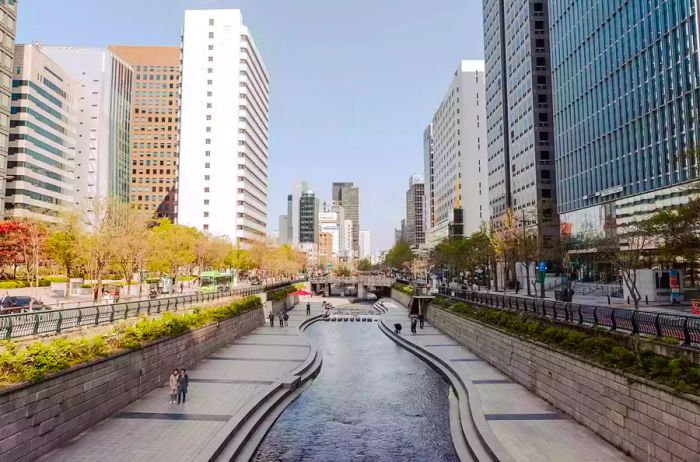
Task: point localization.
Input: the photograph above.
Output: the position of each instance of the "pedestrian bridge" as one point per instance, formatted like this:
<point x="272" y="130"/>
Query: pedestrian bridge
<point x="358" y="286"/>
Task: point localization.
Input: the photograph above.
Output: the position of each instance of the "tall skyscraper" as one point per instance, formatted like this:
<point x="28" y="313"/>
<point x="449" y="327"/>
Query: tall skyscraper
<point x="348" y="196"/>
<point x="454" y="147"/>
<point x="43" y="136"/>
<point x="365" y="244"/>
<point x="298" y="189"/>
<point x="519" y="115"/>
<point x="626" y="114"/>
<point x="283" y="225"/>
<point x="104" y="111"/>
<point x="308" y="218"/>
<point x="8" y="16"/>
<point x="155" y="116"/>
<point x="415" y="233"/>
<point x="224" y="128"/>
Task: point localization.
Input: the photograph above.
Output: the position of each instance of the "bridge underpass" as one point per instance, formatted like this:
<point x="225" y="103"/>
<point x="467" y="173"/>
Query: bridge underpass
<point x="354" y="286"/>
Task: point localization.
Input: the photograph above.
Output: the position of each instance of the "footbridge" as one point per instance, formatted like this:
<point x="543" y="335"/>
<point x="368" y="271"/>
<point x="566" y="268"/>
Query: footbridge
<point x="352" y="286"/>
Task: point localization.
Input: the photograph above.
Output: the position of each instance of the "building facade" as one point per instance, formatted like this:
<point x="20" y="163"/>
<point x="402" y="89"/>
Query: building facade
<point x="308" y="218"/>
<point x="626" y="117"/>
<point x="455" y="156"/>
<point x="43" y="136"/>
<point x="8" y="18"/>
<point x="365" y="244"/>
<point x="155" y="116"/>
<point x="348" y="196"/>
<point x="325" y="248"/>
<point x="104" y="117"/>
<point x="415" y="233"/>
<point x="329" y="225"/>
<point x="519" y="116"/>
<point x="223" y="179"/>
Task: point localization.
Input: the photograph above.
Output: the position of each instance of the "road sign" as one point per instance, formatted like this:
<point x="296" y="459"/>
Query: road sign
<point x="540" y="276"/>
<point x="542" y="267"/>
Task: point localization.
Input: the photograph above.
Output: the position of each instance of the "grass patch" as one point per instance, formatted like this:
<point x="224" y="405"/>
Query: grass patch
<point x="403" y="288"/>
<point x="597" y="346"/>
<point x="35" y="360"/>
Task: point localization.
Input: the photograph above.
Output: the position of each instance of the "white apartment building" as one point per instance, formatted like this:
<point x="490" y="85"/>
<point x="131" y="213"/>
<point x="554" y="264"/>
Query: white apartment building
<point x="103" y="109"/>
<point x="456" y="174"/>
<point x="224" y="128"/>
<point x="43" y="137"/>
<point x="328" y="223"/>
<point x="365" y="244"/>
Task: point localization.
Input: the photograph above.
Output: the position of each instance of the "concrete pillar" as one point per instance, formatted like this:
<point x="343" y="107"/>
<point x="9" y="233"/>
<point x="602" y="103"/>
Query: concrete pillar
<point x="361" y="291"/>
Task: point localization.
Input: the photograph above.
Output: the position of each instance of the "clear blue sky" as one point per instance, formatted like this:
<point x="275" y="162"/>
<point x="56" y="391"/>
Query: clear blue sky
<point x="353" y="82"/>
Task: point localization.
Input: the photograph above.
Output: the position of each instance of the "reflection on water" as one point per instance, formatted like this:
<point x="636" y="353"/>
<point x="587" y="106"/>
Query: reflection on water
<point x="372" y="401"/>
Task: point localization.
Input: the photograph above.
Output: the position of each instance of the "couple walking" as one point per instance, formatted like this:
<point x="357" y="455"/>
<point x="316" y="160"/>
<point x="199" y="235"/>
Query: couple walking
<point x="178" y="386"/>
<point x="414" y="322"/>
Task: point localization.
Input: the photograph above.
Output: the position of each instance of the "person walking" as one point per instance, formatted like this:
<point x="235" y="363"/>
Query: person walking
<point x="414" y="322"/>
<point x="173" y="385"/>
<point x="182" y="382"/>
<point x="397" y="328"/>
<point x="308" y="308"/>
<point x="421" y="319"/>
<point x="272" y="319"/>
<point x="286" y="319"/>
<point x="280" y="319"/>
<point x="182" y="287"/>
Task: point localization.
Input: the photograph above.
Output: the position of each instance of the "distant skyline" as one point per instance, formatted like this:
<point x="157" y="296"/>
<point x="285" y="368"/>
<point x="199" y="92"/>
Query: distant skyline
<point x="353" y="83"/>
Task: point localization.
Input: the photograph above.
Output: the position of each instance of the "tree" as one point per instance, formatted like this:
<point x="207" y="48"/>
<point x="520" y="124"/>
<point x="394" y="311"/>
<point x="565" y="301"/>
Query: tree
<point x="238" y="259"/>
<point x="131" y="244"/>
<point x="34" y="249"/>
<point x="172" y="247"/>
<point x="210" y="251"/>
<point x="364" y="265"/>
<point x="505" y="243"/>
<point x="399" y="256"/>
<point x="13" y="234"/>
<point x="63" y="243"/>
<point x="101" y="225"/>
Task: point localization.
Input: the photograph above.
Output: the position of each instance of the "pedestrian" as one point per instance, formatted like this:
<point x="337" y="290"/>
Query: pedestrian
<point x="397" y="328"/>
<point x="182" y="287"/>
<point x="182" y="383"/>
<point x="173" y="385"/>
<point x="281" y="320"/>
<point x="421" y="319"/>
<point x="286" y="319"/>
<point x="308" y="308"/>
<point x="272" y="319"/>
<point x="414" y="322"/>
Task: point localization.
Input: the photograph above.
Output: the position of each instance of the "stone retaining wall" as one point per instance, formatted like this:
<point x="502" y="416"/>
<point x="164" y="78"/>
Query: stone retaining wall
<point x="646" y="421"/>
<point x="34" y="418"/>
<point x="401" y="297"/>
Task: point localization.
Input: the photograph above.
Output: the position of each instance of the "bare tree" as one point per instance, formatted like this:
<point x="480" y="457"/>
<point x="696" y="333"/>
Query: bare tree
<point x="131" y="243"/>
<point x="100" y="221"/>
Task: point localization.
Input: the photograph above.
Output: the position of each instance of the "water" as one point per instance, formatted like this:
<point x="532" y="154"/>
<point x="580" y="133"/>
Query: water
<point x="372" y="401"/>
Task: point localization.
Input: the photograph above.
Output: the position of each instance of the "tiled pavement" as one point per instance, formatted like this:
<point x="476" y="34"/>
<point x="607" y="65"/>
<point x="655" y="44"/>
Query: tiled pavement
<point x="528" y="427"/>
<point x="151" y="429"/>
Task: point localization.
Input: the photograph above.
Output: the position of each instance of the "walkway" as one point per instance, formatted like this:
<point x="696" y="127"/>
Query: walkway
<point x="221" y="389"/>
<point x="528" y="427"/>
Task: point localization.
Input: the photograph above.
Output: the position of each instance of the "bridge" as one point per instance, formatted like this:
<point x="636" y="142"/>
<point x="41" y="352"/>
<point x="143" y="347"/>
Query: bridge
<point x="353" y="286"/>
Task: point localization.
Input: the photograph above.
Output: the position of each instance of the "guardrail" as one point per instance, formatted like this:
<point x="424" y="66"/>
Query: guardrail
<point x="57" y="321"/>
<point x="684" y="328"/>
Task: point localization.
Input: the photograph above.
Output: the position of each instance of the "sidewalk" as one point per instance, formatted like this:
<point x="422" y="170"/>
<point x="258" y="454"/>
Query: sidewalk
<point x="220" y="389"/>
<point x="527" y="427"/>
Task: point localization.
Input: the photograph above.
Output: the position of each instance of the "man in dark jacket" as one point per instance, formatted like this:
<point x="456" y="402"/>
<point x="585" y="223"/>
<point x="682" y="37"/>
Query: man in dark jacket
<point x="421" y="319"/>
<point x="272" y="319"/>
<point x="182" y="382"/>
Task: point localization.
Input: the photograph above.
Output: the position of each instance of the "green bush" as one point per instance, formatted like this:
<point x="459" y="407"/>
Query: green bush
<point x="14" y="284"/>
<point x="185" y="278"/>
<point x="403" y="288"/>
<point x="86" y="286"/>
<point x="37" y="359"/>
<point x="596" y="345"/>
<point x="280" y="294"/>
<point x="56" y="279"/>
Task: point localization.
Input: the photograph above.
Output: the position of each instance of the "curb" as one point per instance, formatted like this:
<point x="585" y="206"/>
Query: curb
<point x="482" y="443"/>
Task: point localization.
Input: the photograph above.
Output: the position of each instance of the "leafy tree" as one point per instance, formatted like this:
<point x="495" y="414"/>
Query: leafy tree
<point x="172" y="247"/>
<point x="238" y="259"/>
<point x="63" y="242"/>
<point x="131" y="244"/>
<point x="505" y="243"/>
<point x="399" y="256"/>
<point x="34" y="248"/>
<point x="13" y="236"/>
<point x="364" y="265"/>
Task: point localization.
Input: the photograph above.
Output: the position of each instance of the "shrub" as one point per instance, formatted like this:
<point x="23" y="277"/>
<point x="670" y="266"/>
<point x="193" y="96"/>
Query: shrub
<point x="56" y="279"/>
<point x="37" y="359"/>
<point x="596" y="345"/>
<point x="403" y="288"/>
<point x="279" y="294"/>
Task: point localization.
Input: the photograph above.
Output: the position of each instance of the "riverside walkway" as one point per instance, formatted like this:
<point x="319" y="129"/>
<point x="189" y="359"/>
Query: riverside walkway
<point x="234" y="381"/>
<point x="527" y="427"/>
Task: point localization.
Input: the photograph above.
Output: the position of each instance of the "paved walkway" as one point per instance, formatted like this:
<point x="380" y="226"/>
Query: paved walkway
<point x="151" y="429"/>
<point x="529" y="428"/>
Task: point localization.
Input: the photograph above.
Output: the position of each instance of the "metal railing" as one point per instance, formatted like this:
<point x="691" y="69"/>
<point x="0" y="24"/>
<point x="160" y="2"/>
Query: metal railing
<point x="57" y="321"/>
<point x="659" y="324"/>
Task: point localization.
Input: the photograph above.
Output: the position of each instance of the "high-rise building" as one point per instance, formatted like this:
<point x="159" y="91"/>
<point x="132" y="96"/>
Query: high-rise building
<point x="43" y="137"/>
<point x="325" y="248"/>
<point x="8" y="16"/>
<point x="224" y="128"/>
<point x="328" y="222"/>
<point x="308" y="218"/>
<point x="415" y="233"/>
<point x="520" y="133"/>
<point x="293" y="210"/>
<point x="626" y="114"/>
<point x="365" y="244"/>
<point x="283" y="224"/>
<point x="103" y="111"/>
<point x="454" y="147"/>
<point x="348" y="196"/>
<point x="155" y="116"/>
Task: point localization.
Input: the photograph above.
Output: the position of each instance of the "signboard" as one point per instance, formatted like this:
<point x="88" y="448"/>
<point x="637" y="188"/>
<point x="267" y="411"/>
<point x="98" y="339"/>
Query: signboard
<point x="540" y="277"/>
<point x="674" y="280"/>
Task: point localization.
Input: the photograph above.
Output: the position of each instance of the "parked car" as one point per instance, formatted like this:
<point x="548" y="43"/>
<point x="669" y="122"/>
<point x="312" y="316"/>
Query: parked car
<point x="21" y="304"/>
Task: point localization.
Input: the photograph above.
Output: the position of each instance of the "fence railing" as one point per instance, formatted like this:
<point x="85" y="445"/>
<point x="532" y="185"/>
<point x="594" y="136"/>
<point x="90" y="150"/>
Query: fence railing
<point x="659" y="324"/>
<point x="57" y="321"/>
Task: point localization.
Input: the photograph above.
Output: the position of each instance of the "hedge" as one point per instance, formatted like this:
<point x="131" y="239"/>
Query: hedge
<point x="595" y="345"/>
<point x="21" y="283"/>
<point x="279" y="294"/>
<point x="403" y="288"/>
<point x="37" y="359"/>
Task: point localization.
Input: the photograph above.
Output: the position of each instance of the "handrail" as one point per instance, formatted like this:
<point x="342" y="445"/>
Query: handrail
<point x="50" y="322"/>
<point x="683" y="327"/>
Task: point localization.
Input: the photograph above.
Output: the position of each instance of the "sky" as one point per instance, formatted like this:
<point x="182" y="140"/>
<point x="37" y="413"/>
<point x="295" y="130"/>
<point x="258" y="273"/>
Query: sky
<point x="353" y="83"/>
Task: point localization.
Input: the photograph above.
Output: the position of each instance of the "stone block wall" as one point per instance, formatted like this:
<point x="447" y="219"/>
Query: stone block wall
<point x="401" y="297"/>
<point x="648" y="422"/>
<point x="34" y="418"/>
